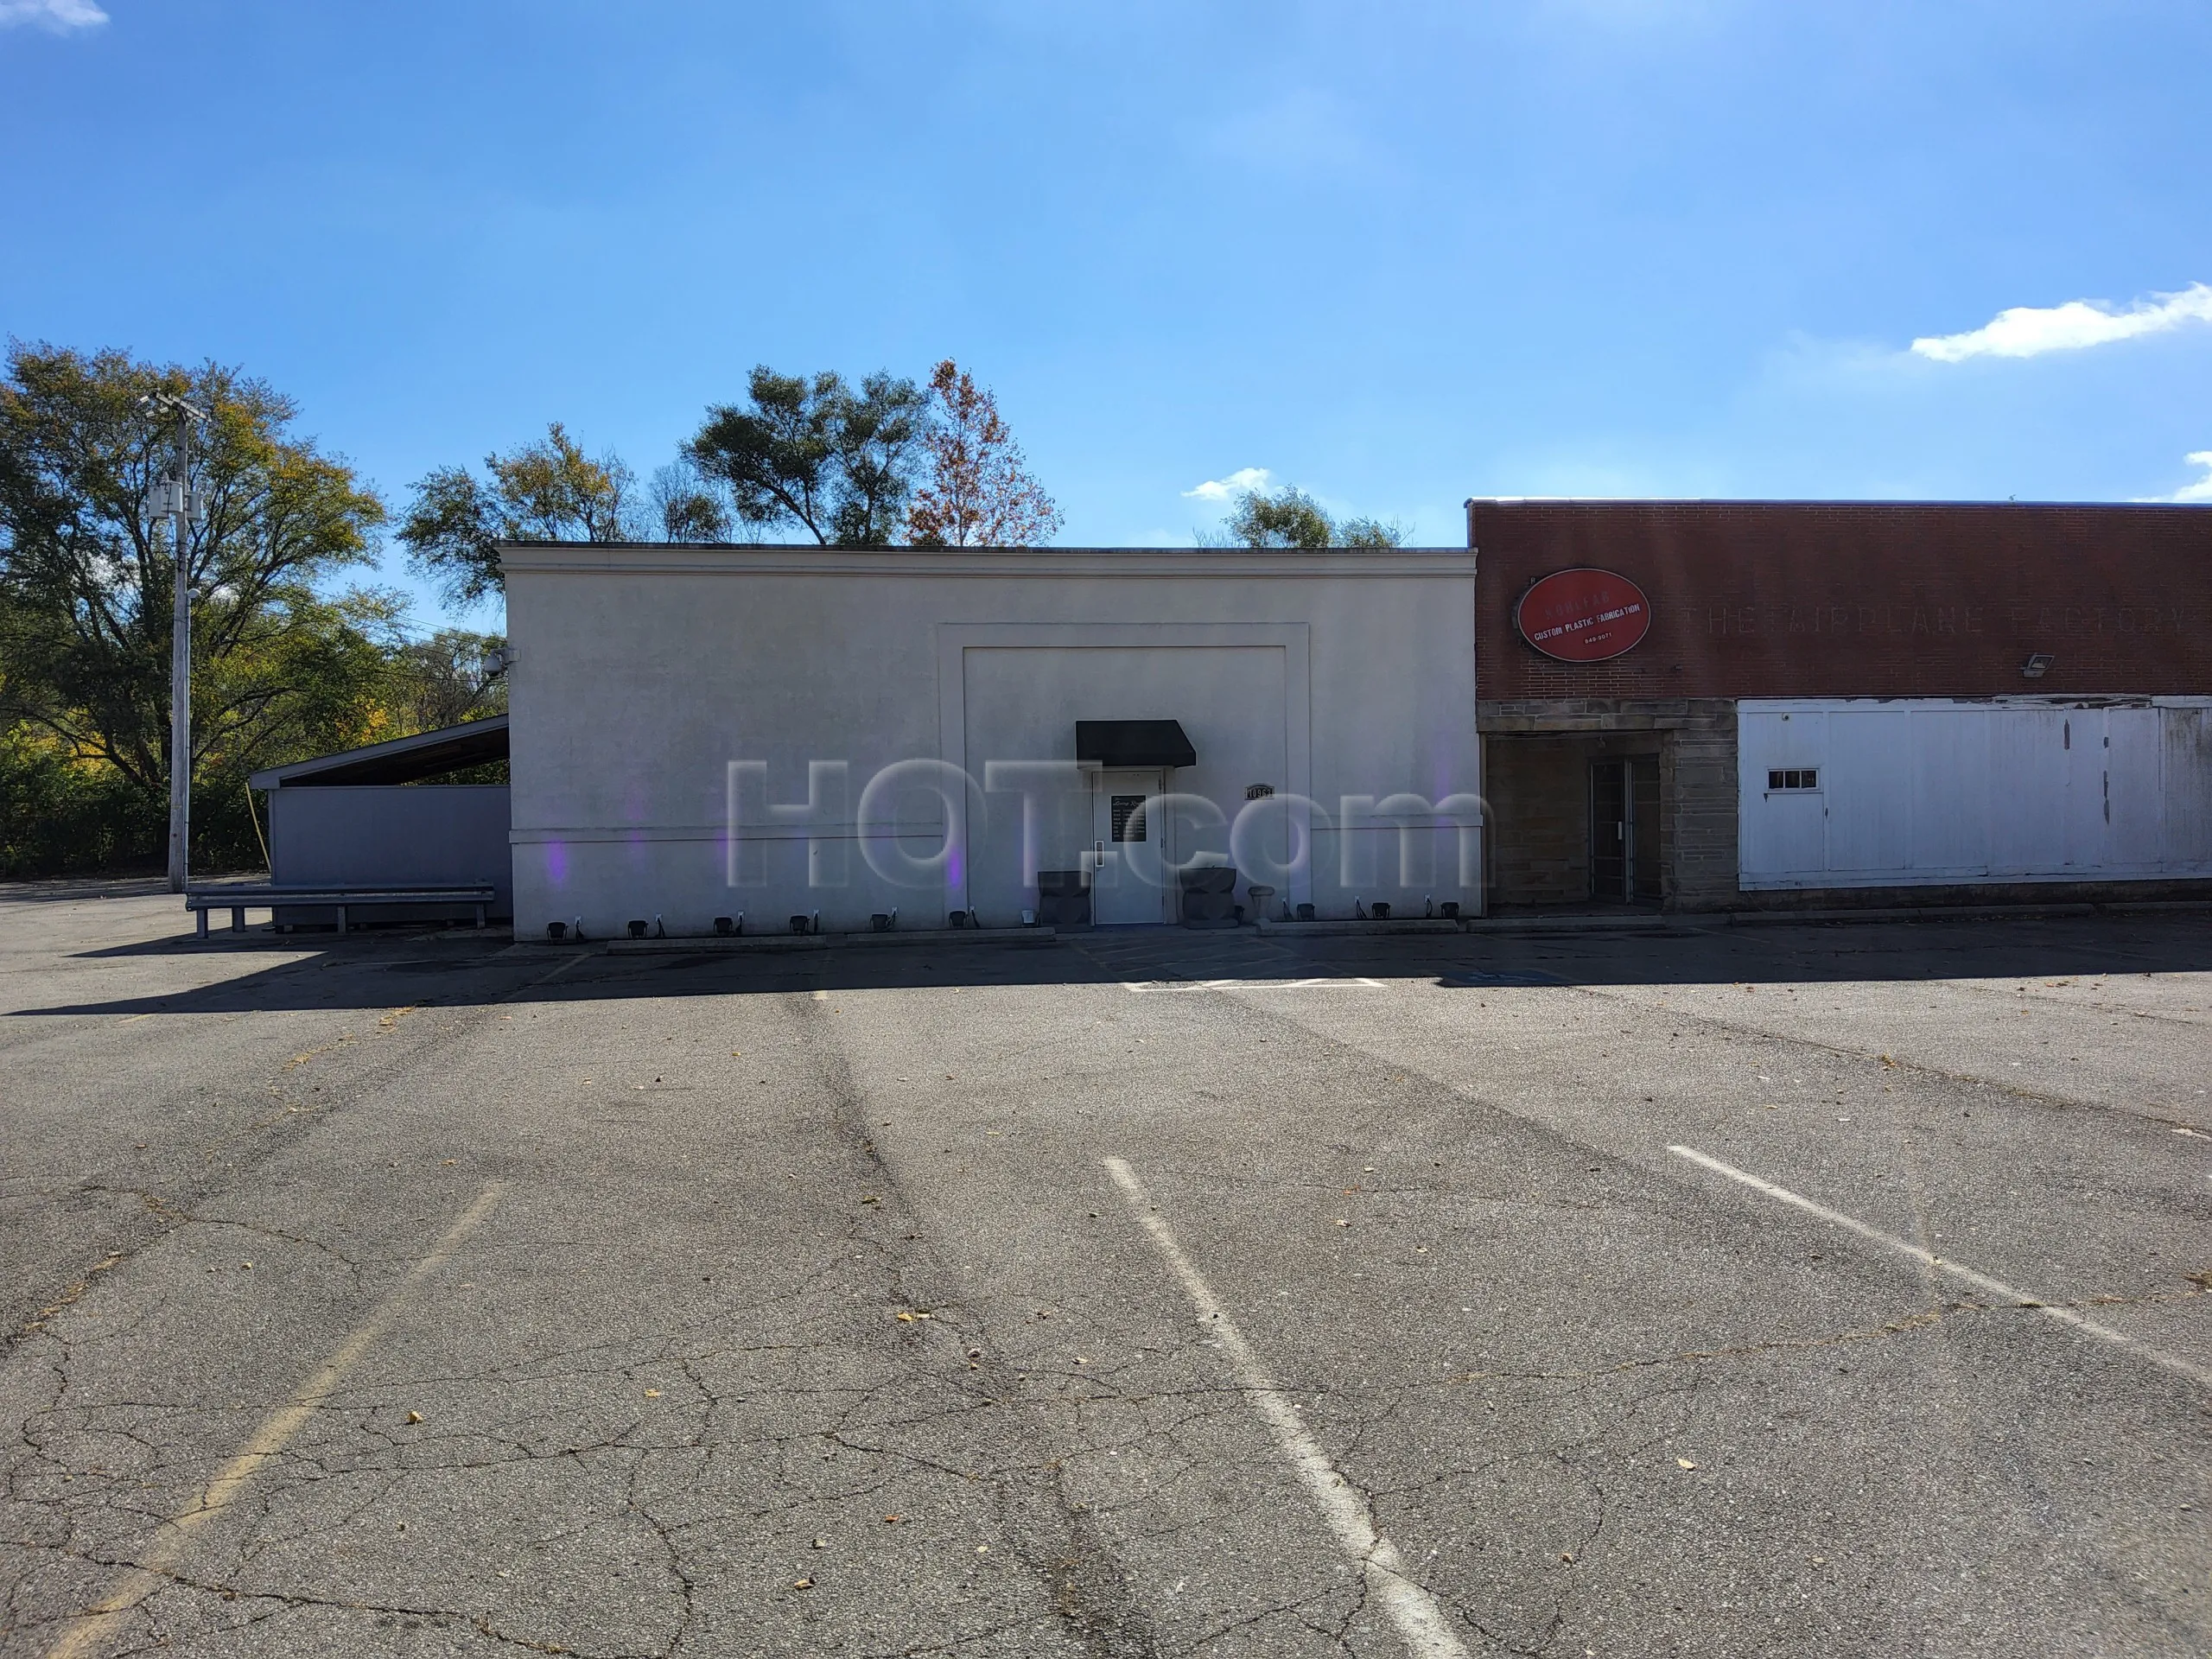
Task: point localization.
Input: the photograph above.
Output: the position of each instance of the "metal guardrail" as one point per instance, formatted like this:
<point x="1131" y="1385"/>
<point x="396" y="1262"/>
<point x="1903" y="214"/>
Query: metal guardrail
<point x="239" y="897"/>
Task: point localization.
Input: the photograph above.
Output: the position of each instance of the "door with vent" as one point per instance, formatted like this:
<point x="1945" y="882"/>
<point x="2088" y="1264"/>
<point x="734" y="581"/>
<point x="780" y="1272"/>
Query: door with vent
<point x="1129" y="859"/>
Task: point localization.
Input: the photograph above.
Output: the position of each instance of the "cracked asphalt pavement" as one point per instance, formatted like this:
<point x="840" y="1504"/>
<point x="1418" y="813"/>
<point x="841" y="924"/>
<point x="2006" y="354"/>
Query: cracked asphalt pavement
<point x="426" y="1294"/>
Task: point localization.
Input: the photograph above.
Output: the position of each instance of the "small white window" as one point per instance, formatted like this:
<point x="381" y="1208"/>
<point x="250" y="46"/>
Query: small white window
<point x="1792" y="778"/>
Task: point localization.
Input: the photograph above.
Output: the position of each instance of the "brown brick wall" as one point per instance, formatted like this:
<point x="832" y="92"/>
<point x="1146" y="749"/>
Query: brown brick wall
<point x="1853" y="598"/>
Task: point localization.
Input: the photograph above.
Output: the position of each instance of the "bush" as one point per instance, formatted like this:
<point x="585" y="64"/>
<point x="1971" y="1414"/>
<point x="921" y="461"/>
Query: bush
<point x="59" y="817"/>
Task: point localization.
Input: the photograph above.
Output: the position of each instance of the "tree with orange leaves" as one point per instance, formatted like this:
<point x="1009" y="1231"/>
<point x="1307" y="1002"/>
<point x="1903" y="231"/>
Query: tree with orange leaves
<point x="979" y="493"/>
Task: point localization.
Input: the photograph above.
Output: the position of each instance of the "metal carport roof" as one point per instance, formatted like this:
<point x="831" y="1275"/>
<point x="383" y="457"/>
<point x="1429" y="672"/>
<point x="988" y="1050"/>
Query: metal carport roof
<point x="402" y="760"/>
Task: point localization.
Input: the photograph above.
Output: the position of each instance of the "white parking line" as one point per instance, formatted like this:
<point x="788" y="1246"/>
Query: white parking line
<point x="1981" y="1281"/>
<point x="1140" y="987"/>
<point x="1427" y="1631"/>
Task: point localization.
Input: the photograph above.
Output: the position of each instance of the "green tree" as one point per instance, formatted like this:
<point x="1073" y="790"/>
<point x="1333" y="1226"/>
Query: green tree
<point x="1371" y="533"/>
<point x="836" y="462"/>
<point x="1290" y="517"/>
<point x="543" y="492"/>
<point x="85" y="579"/>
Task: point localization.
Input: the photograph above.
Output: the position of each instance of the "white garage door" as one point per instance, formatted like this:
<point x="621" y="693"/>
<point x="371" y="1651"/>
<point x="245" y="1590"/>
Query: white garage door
<point x="1873" y="793"/>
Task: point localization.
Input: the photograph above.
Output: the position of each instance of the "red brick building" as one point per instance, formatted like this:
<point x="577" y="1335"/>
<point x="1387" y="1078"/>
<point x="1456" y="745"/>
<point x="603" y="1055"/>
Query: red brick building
<point x="1941" y="661"/>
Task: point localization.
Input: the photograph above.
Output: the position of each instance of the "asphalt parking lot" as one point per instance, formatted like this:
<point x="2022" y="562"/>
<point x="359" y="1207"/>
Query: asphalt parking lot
<point x="1813" y="1288"/>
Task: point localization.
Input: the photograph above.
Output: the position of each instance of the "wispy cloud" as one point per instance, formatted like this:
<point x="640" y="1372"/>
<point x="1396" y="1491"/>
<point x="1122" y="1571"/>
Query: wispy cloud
<point x="2198" y="490"/>
<point x="59" y="15"/>
<point x="2030" y="331"/>
<point x="1220" y="489"/>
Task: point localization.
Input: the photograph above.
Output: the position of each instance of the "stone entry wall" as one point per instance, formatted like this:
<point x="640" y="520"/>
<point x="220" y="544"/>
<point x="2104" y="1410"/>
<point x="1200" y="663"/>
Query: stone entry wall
<point x="1536" y="756"/>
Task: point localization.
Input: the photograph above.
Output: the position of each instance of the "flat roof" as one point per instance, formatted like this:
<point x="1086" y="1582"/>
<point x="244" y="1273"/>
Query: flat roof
<point x="745" y="558"/>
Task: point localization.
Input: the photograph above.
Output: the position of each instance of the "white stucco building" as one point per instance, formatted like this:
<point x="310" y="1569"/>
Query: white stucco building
<point x="705" y="732"/>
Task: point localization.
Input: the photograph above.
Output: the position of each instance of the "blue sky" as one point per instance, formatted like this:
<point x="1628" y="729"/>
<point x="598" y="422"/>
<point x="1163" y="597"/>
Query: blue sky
<point x="1398" y="254"/>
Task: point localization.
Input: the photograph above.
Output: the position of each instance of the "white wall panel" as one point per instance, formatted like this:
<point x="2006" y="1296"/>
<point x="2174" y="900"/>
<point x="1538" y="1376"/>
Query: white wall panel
<point x="1929" y="791"/>
<point x="2134" y="803"/>
<point x="2081" y="808"/>
<point x="1865" y="767"/>
<point x="2027" y="766"/>
<point x="1948" y="756"/>
<point x="2186" y="734"/>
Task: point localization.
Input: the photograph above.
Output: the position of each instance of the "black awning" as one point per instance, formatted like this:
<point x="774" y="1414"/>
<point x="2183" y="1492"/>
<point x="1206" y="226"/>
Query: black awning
<point x="1133" y="743"/>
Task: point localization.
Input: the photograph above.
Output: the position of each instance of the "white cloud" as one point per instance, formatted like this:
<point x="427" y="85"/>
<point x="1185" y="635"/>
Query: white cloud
<point x="60" y="16"/>
<point x="1220" y="489"/>
<point x="2030" y="331"/>
<point x="2200" y="490"/>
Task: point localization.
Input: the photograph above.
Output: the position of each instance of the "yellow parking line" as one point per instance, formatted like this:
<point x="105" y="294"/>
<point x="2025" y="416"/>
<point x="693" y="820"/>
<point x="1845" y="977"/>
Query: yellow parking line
<point x="158" y="1564"/>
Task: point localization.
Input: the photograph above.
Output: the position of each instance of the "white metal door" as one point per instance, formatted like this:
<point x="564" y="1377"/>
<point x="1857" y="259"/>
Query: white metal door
<point x="1784" y="815"/>
<point x="1129" y="861"/>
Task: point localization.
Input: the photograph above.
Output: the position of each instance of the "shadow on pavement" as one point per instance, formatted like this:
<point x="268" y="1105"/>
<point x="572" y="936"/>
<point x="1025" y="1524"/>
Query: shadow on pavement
<point x="393" y="968"/>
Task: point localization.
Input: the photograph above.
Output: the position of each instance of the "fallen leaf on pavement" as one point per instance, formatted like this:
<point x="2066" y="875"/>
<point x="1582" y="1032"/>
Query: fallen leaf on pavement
<point x="414" y="1416"/>
<point x="1685" y="1463"/>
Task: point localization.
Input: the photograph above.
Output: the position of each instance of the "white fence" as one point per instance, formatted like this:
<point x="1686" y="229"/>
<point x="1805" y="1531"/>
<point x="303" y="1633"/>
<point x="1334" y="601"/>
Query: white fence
<point x="1844" y="792"/>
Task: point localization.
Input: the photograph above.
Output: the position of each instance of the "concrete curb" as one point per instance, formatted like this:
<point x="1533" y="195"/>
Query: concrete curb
<point x="717" y="944"/>
<point x="1908" y="914"/>
<point x="710" y="945"/>
<point x="949" y="936"/>
<point x="1633" y="921"/>
<point x="1358" y="927"/>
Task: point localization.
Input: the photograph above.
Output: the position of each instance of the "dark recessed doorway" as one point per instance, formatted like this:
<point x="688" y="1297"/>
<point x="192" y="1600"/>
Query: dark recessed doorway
<point x="1624" y="830"/>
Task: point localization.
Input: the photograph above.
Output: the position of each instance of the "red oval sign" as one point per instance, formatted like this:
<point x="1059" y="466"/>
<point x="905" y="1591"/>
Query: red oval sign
<point x="1583" y="615"/>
